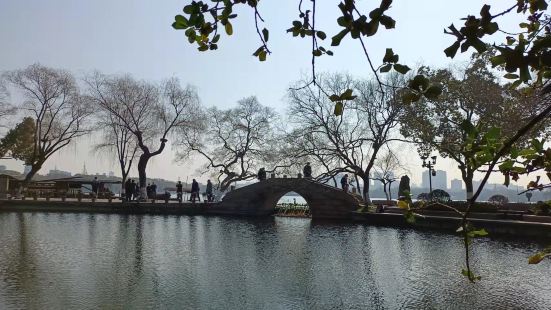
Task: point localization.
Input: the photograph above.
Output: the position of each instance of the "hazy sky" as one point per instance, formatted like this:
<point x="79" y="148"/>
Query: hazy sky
<point x="136" y="37"/>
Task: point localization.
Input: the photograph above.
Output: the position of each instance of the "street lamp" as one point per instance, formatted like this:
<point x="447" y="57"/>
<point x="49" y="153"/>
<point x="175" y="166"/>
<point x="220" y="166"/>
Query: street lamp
<point x="429" y="164"/>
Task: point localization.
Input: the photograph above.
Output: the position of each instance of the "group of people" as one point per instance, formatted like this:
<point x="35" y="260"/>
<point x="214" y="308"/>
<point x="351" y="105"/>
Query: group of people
<point x="307" y="173"/>
<point x="131" y="190"/>
<point x="195" y="191"/>
<point x="151" y="190"/>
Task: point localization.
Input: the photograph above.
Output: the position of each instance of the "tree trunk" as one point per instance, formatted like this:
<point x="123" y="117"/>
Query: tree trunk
<point x="365" y="191"/>
<point x="467" y="177"/>
<point x="384" y="189"/>
<point x="34" y="170"/>
<point x="142" y="165"/>
<point x="357" y="183"/>
<point x="124" y="175"/>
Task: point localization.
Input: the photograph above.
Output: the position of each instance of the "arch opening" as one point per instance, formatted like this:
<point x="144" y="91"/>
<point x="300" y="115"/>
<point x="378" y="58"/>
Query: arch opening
<point x="292" y="204"/>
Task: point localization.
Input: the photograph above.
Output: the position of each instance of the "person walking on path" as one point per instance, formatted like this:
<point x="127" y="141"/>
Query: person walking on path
<point x="153" y="189"/>
<point x="95" y="186"/>
<point x="344" y="183"/>
<point x="194" y="190"/>
<point x="127" y="190"/>
<point x="209" y="191"/>
<point x="179" y="191"/>
<point x="307" y="171"/>
<point x="148" y="190"/>
<point x="134" y="190"/>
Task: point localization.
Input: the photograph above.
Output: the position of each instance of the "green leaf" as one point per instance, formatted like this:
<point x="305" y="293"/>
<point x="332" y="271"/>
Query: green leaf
<point x="188" y="9"/>
<point x="334" y="97"/>
<point x="258" y="50"/>
<point x="403" y="69"/>
<point x="506" y="165"/>
<point x="491" y="28"/>
<point x="385" y="68"/>
<point x="493" y="133"/>
<point x="452" y="49"/>
<point x="419" y="82"/>
<point x="336" y="40"/>
<point x="370" y="28"/>
<point x="470" y="275"/>
<point x="389" y="55"/>
<point x="330" y="53"/>
<point x="527" y="153"/>
<point x="410" y="97"/>
<point x="387" y="21"/>
<point x="536" y="258"/>
<point x="321" y="35"/>
<point x="515" y="84"/>
<point x="262" y="55"/>
<point x="347" y="95"/>
<point x="376" y="13"/>
<point x="316" y="52"/>
<point x="266" y="34"/>
<point x="385" y="4"/>
<point x="433" y="92"/>
<point x="498" y="60"/>
<point x="478" y="233"/>
<point x="297" y="24"/>
<point x="402" y="204"/>
<point x="524" y="73"/>
<point x="229" y="28"/>
<point x="338" y="108"/>
<point x="410" y="217"/>
<point x="510" y="76"/>
<point x="537" y="144"/>
<point x="468" y="127"/>
<point x="180" y="22"/>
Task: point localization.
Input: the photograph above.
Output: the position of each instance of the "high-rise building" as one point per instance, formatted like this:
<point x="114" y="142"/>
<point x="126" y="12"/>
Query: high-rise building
<point x="456" y="185"/>
<point x="439" y="181"/>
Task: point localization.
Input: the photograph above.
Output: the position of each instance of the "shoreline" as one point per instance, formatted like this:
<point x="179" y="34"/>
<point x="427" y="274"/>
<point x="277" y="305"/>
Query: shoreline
<point x="494" y="223"/>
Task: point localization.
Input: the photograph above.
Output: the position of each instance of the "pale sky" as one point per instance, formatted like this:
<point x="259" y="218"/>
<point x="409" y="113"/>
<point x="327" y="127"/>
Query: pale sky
<point x="136" y="37"/>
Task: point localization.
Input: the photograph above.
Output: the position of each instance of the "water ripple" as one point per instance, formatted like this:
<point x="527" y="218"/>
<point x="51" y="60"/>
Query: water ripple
<point x="76" y="261"/>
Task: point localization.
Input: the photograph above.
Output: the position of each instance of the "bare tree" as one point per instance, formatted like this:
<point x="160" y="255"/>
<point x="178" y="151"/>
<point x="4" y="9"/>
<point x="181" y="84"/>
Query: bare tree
<point x="6" y="108"/>
<point x="349" y="143"/>
<point x="146" y="110"/>
<point x="52" y="99"/>
<point x="118" y="139"/>
<point x="235" y="142"/>
<point x="385" y="170"/>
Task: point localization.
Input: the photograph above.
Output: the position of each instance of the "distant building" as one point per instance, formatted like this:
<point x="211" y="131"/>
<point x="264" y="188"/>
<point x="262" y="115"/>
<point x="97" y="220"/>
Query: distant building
<point x="111" y="174"/>
<point x="456" y="185"/>
<point x="26" y="169"/>
<point x="439" y="181"/>
<point x="2" y="168"/>
<point x="476" y="184"/>
<point x="55" y="173"/>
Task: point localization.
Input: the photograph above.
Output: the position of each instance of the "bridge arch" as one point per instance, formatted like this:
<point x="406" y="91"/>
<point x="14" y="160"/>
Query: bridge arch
<point x="261" y="198"/>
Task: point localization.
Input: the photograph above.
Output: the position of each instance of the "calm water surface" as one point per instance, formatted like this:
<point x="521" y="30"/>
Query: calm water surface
<point x="79" y="261"/>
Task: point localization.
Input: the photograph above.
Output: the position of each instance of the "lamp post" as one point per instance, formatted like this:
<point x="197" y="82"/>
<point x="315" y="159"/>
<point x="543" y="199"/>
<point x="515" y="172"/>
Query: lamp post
<point x="430" y="165"/>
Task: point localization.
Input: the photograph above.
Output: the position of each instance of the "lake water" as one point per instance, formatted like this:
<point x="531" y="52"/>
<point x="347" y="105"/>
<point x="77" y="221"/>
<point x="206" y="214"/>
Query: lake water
<point x="82" y="261"/>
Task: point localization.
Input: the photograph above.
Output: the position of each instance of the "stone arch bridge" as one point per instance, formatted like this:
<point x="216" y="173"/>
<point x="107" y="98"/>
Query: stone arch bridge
<point x="261" y="198"/>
